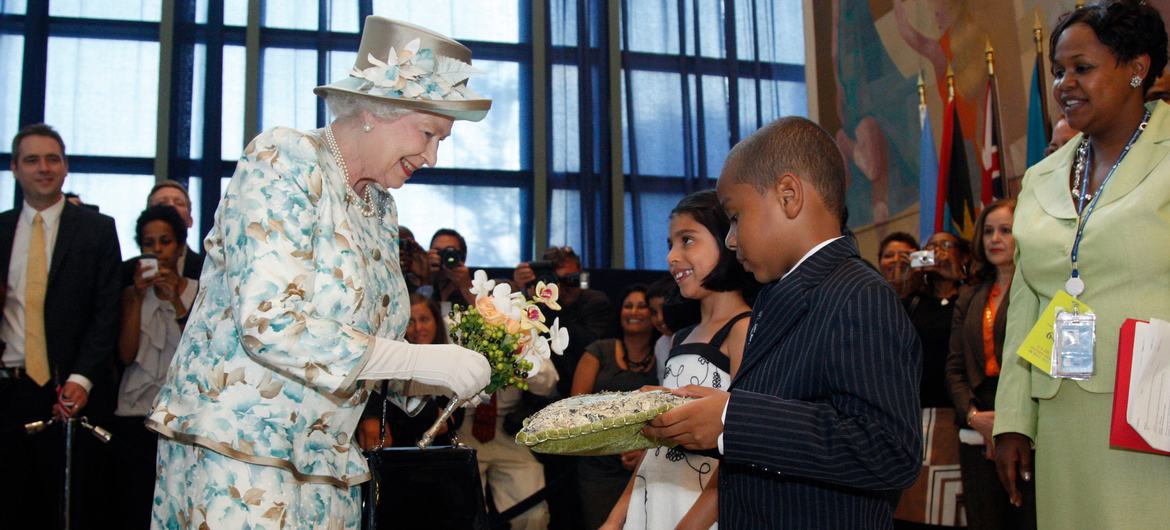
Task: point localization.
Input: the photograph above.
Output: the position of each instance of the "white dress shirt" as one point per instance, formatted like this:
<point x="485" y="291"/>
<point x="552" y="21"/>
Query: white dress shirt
<point x="822" y="244"/>
<point x="12" y="328"/>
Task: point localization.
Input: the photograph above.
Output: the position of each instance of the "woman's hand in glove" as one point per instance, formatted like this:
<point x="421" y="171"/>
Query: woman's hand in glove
<point x="461" y="371"/>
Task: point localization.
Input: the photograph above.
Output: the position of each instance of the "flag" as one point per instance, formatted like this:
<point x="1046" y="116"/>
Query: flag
<point x="927" y="176"/>
<point x="1039" y="126"/>
<point x="991" y="155"/>
<point x="955" y="207"/>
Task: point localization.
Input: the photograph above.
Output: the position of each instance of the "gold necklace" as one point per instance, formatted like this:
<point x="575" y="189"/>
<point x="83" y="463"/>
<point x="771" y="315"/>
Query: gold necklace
<point x="373" y="204"/>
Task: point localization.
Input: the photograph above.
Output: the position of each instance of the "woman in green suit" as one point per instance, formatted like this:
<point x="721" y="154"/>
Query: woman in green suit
<point x="1114" y="179"/>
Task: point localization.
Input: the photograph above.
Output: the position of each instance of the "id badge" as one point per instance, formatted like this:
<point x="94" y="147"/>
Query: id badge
<point x="1074" y="336"/>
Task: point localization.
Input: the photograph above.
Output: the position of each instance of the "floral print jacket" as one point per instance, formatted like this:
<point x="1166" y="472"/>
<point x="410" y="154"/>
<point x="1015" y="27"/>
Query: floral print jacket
<point x="297" y="285"/>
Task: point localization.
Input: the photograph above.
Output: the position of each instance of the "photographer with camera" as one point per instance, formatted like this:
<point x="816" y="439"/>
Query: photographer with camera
<point x="452" y="279"/>
<point x="415" y="262"/>
<point x="585" y="312"/>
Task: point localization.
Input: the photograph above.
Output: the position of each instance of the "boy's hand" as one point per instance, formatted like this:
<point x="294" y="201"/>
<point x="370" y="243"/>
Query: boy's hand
<point x="695" y="425"/>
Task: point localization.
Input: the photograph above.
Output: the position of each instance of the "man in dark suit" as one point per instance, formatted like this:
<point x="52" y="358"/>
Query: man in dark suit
<point x="820" y="427"/>
<point x="174" y="194"/>
<point x="60" y="265"/>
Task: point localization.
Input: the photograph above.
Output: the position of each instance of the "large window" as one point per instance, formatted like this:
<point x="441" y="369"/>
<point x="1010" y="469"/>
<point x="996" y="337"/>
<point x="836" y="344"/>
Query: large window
<point x="697" y="76"/>
<point x="149" y="89"/>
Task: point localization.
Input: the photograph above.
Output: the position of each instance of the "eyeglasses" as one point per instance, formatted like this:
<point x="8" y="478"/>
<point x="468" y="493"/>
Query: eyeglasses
<point x="941" y="245"/>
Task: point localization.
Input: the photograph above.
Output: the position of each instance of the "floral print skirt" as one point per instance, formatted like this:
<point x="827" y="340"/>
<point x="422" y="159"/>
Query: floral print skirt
<point x="196" y="485"/>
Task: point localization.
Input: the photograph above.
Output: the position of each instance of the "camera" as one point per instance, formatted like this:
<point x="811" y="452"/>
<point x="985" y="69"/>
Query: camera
<point x="450" y="257"/>
<point x="544" y="270"/>
<point x="922" y="258"/>
<point x="149" y="265"/>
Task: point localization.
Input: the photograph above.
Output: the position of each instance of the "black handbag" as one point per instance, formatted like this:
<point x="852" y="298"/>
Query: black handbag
<point x="434" y="488"/>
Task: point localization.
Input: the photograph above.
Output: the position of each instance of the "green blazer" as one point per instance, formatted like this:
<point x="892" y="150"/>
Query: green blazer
<point x="1124" y="260"/>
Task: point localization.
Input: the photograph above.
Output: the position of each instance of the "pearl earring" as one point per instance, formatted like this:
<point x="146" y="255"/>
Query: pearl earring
<point x="367" y="127"/>
<point x="1135" y="81"/>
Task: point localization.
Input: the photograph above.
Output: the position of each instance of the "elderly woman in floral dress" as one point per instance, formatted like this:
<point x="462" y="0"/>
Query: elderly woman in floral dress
<point x="304" y="302"/>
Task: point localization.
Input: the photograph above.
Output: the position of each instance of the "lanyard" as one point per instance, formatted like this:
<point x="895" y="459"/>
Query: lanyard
<point x="1075" y="285"/>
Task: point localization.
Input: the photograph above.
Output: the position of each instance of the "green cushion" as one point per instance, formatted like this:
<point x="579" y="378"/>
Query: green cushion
<point x="596" y="424"/>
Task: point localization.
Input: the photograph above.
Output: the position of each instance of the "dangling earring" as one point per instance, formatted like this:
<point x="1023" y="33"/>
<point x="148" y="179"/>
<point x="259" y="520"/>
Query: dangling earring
<point x="1135" y="81"/>
<point x="367" y="127"/>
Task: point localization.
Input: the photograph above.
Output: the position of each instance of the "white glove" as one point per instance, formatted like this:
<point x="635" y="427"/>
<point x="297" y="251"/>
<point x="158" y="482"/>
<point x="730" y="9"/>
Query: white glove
<point x="460" y="370"/>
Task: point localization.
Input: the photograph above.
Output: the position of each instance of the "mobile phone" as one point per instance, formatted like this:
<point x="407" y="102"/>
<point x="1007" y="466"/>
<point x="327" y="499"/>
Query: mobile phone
<point x="922" y="258"/>
<point x="148" y="264"/>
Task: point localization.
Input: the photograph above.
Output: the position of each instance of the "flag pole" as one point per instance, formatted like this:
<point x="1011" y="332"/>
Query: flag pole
<point x="997" y="121"/>
<point x="1038" y="38"/>
<point x="950" y="84"/>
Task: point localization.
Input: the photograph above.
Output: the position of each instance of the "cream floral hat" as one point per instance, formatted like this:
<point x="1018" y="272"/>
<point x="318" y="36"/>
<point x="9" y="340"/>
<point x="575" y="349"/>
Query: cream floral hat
<point x="412" y="67"/>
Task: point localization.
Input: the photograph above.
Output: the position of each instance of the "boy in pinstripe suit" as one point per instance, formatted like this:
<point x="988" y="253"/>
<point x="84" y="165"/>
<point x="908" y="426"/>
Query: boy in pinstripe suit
<point x="820" y="427"/>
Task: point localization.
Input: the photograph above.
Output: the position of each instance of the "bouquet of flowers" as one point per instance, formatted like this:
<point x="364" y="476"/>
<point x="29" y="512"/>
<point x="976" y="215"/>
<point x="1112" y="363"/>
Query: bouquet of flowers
<point x="509" y="330"/>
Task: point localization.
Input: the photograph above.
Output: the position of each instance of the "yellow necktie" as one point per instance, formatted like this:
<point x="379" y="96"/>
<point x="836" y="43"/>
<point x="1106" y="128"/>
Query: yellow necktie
<point x="36" y="358"/>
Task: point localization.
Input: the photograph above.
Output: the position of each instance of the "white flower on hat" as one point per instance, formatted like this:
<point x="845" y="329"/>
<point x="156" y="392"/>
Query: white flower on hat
<point x="417" y="73"/>
<point x="394" y="73"/>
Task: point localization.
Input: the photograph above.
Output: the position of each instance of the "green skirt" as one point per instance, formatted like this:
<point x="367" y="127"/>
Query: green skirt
<point x="1083" y="483"/>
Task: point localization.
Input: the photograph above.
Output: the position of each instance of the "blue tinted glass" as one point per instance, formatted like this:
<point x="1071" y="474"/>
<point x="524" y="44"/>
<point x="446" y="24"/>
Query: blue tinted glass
<point x="194" y="189"/>
<point x="146" y="10"/>
<point x="7" y="190"/>
<point x="785" y="34"/>
<point x="565" y="138"/>
<point x="122" y="197"/>
<point x="343" y="16"/>
<point x="287" y="81"/>
<point x="493" y="143"/>
<point x="563" y="22"/>
<point x="235" y="12"/>
<point x="15" y="7"/>
<point x="658" y="122"/>
<point x="711" y="36"/>
<point x="486" y="20"/>
<point x="564" y="224"/>
<point x="653" y="26"/>
<point x="654" y="225"/>
<point x="488" y="217"/>
<point x="198" y="95"/>
<point x="716" y="125"/>
<point x="11" y="57"/>
<point x="232" y="133"/>
<point x="291" y="14"/>
<point x="102" y="95"/>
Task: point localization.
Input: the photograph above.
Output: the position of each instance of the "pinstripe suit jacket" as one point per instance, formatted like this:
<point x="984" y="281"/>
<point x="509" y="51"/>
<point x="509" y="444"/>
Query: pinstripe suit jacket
<point x="823" y="426"/>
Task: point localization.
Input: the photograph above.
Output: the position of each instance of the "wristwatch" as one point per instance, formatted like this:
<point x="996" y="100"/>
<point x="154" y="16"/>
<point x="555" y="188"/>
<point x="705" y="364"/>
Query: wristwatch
<point x="971" y="413"/>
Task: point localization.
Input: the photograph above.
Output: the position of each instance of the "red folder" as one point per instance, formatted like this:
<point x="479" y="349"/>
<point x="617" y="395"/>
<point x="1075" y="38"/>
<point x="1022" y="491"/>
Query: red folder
<point x="1121" y="434"/>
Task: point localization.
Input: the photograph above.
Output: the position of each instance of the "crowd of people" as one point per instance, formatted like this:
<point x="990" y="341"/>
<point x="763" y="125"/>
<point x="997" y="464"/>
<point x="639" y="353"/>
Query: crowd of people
<point x="237" y="379"/>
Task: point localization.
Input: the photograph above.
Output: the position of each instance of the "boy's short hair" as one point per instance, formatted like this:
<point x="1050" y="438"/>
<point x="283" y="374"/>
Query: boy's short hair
<point x="791" y="145"/>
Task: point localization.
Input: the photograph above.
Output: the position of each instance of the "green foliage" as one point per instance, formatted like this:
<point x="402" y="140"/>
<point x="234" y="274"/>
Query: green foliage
<point x="502" y="349"/>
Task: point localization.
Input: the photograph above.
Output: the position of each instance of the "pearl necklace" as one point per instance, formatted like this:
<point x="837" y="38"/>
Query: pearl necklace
<point x="374" y="204"/>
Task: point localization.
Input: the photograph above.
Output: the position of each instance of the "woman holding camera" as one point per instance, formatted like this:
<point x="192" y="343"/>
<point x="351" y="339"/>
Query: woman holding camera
<point x="943" y="267"/>
<point x="154" y="310"/>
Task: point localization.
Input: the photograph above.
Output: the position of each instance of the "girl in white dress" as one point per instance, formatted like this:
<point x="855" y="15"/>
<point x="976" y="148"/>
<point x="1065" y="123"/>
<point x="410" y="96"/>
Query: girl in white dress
<point x="674" y="488"/>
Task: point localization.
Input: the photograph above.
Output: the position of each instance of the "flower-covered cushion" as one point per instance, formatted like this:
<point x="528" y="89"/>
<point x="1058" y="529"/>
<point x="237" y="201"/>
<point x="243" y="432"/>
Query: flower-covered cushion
<point x="596" y="424"/>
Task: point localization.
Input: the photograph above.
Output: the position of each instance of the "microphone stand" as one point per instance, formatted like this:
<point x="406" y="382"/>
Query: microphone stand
<point x="71" y="424"/>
